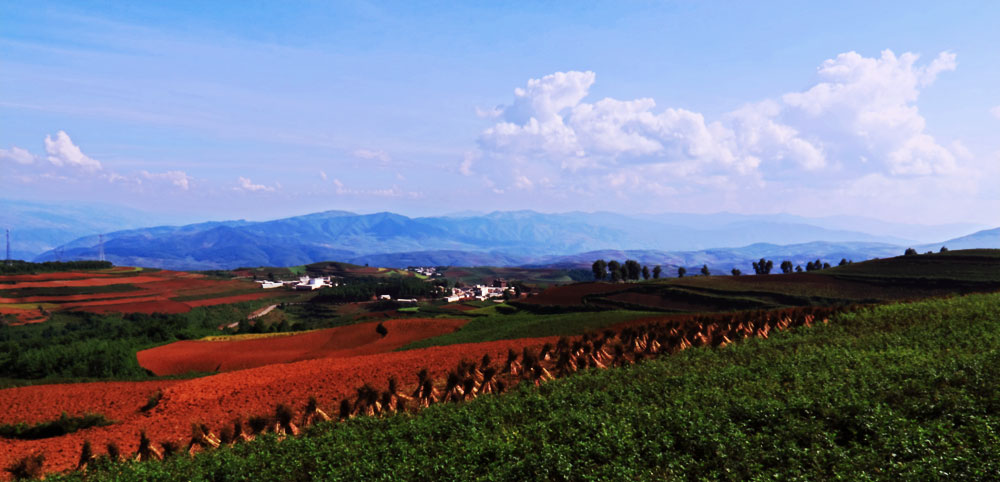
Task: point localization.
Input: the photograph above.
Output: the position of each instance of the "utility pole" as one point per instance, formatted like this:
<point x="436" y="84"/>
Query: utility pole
<point x="100" y="252"/>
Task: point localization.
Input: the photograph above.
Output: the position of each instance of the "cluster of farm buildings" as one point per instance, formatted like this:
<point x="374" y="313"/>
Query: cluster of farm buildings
<point x="304" y="283"/>
<point x="480" y="292"/>
<point x="428" y="271"/>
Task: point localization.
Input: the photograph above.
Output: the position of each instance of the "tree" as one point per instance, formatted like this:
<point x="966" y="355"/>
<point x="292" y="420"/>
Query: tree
<point x="615" y="269"/>
<point x="736" y="272"/>
<point x="623" y="273"/>
<point x="843" y="261"/>
<point x="944" y="249"/>
<point x="381" y="330"/>
<point x="910" y="252"/>
<point x="681" y="272"/>
<point x="826" y="265"/>
<point x="704" y="270"/>
<point x="656" y="271"/>
<point x="633" y="269"/>
<point x="645" y="272"/>
<point x="787" y="267"/>
<point x="763" y="266"/>
<point x="600" y="268"/>
<point x="798" y="269"/>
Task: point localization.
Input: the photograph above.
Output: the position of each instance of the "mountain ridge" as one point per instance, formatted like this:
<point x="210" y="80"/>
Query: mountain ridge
<point x="502" y="238"/>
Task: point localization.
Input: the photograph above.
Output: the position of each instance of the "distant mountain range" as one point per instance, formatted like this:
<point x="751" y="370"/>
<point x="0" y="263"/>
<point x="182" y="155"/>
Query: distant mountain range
<point x="514" y="238"/>
<point x="37" y="227"/>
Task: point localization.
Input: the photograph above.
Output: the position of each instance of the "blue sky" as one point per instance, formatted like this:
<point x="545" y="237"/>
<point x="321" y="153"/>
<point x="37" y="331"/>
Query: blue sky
<point x="262" y="109"/>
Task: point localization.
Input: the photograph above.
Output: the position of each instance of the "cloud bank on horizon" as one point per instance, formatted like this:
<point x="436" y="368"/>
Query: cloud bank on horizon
<point x="860" y="122"/>
<point x="850" y="139"/>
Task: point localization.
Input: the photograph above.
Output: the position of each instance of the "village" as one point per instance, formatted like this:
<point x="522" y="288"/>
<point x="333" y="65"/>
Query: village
<point x="497" y="290"/>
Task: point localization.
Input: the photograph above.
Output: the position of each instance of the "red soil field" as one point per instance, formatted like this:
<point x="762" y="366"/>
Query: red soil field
<point x="115" y="400"/>
<point x="361" y="339"/>
<point x="51" y="276"/>
<point x="24" y="316"/>
<point x="154" y="292"/>
<point x="65" y="298"/>
<point x="573" y="294"/>
<point x="217" y="399"/>
<point x="657" y="301"/>
<point x="89" y="281"/>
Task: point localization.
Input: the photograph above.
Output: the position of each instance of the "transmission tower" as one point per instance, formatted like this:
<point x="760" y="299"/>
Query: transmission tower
<point x="100" y="251"/>
<point x="8" y="247"/>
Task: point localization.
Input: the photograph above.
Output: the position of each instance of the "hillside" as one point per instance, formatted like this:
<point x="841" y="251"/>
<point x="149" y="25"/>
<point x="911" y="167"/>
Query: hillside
<point x="987" y="238"/>
<point x="873" y="281"/>
<point x="919" y="404"/>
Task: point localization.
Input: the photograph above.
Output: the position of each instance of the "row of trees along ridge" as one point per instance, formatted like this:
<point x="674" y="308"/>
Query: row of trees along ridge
<point x="630" y="270"/>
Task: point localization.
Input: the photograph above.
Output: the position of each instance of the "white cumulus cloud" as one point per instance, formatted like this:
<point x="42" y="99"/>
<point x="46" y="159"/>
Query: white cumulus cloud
<point x="866" y="107"/>
<point x="860" y="116"/>
<point x="17" y="154"/>
<point x="62" y="152"/>
<point x="246" y="184"/>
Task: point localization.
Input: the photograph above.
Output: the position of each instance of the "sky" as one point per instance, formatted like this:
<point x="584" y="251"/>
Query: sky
<point x="257" y="110"/>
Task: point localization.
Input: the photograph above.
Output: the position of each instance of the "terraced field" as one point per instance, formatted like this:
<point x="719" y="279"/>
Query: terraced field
<point x="30" y="298"/>
<point x="891" y="279"/>
<point x="725" y="349"/>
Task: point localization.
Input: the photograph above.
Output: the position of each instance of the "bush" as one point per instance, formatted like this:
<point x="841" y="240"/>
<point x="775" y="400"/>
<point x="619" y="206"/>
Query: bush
<point x="28" y="467"/>
<point x="55" y="428"/>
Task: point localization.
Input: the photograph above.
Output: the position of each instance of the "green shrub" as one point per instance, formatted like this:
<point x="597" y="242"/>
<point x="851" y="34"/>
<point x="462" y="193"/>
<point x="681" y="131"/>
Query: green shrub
<point x="60" y="426"/>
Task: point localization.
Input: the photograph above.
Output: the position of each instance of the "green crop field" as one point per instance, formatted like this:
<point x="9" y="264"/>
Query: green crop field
<point x="124" y="287"/>
<point x="896" y="392"/>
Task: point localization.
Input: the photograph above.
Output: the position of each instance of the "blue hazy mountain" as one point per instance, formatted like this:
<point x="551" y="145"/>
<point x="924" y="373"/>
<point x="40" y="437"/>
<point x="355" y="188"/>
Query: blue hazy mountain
<point x="498" y="238"/>
<point x="987" y="238"/>
<point x="37" y="227"/>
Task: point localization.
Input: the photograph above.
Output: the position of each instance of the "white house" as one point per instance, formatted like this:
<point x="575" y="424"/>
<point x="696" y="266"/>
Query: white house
<point x="308" y="284"/>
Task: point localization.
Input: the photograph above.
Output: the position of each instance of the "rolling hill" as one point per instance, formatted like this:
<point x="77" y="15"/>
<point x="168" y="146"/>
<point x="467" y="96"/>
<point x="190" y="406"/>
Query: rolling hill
<point x="511" y="238"/>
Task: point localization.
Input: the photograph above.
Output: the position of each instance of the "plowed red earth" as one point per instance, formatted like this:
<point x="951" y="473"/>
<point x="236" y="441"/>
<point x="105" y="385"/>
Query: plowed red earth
<point x="571" y="295"/>
<point x="217" y="399"/>
<point x="361" y="339"/>
<point x="154" y="293"/>
<point x="52" y="276"/>
<point x="91" y="281"/>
